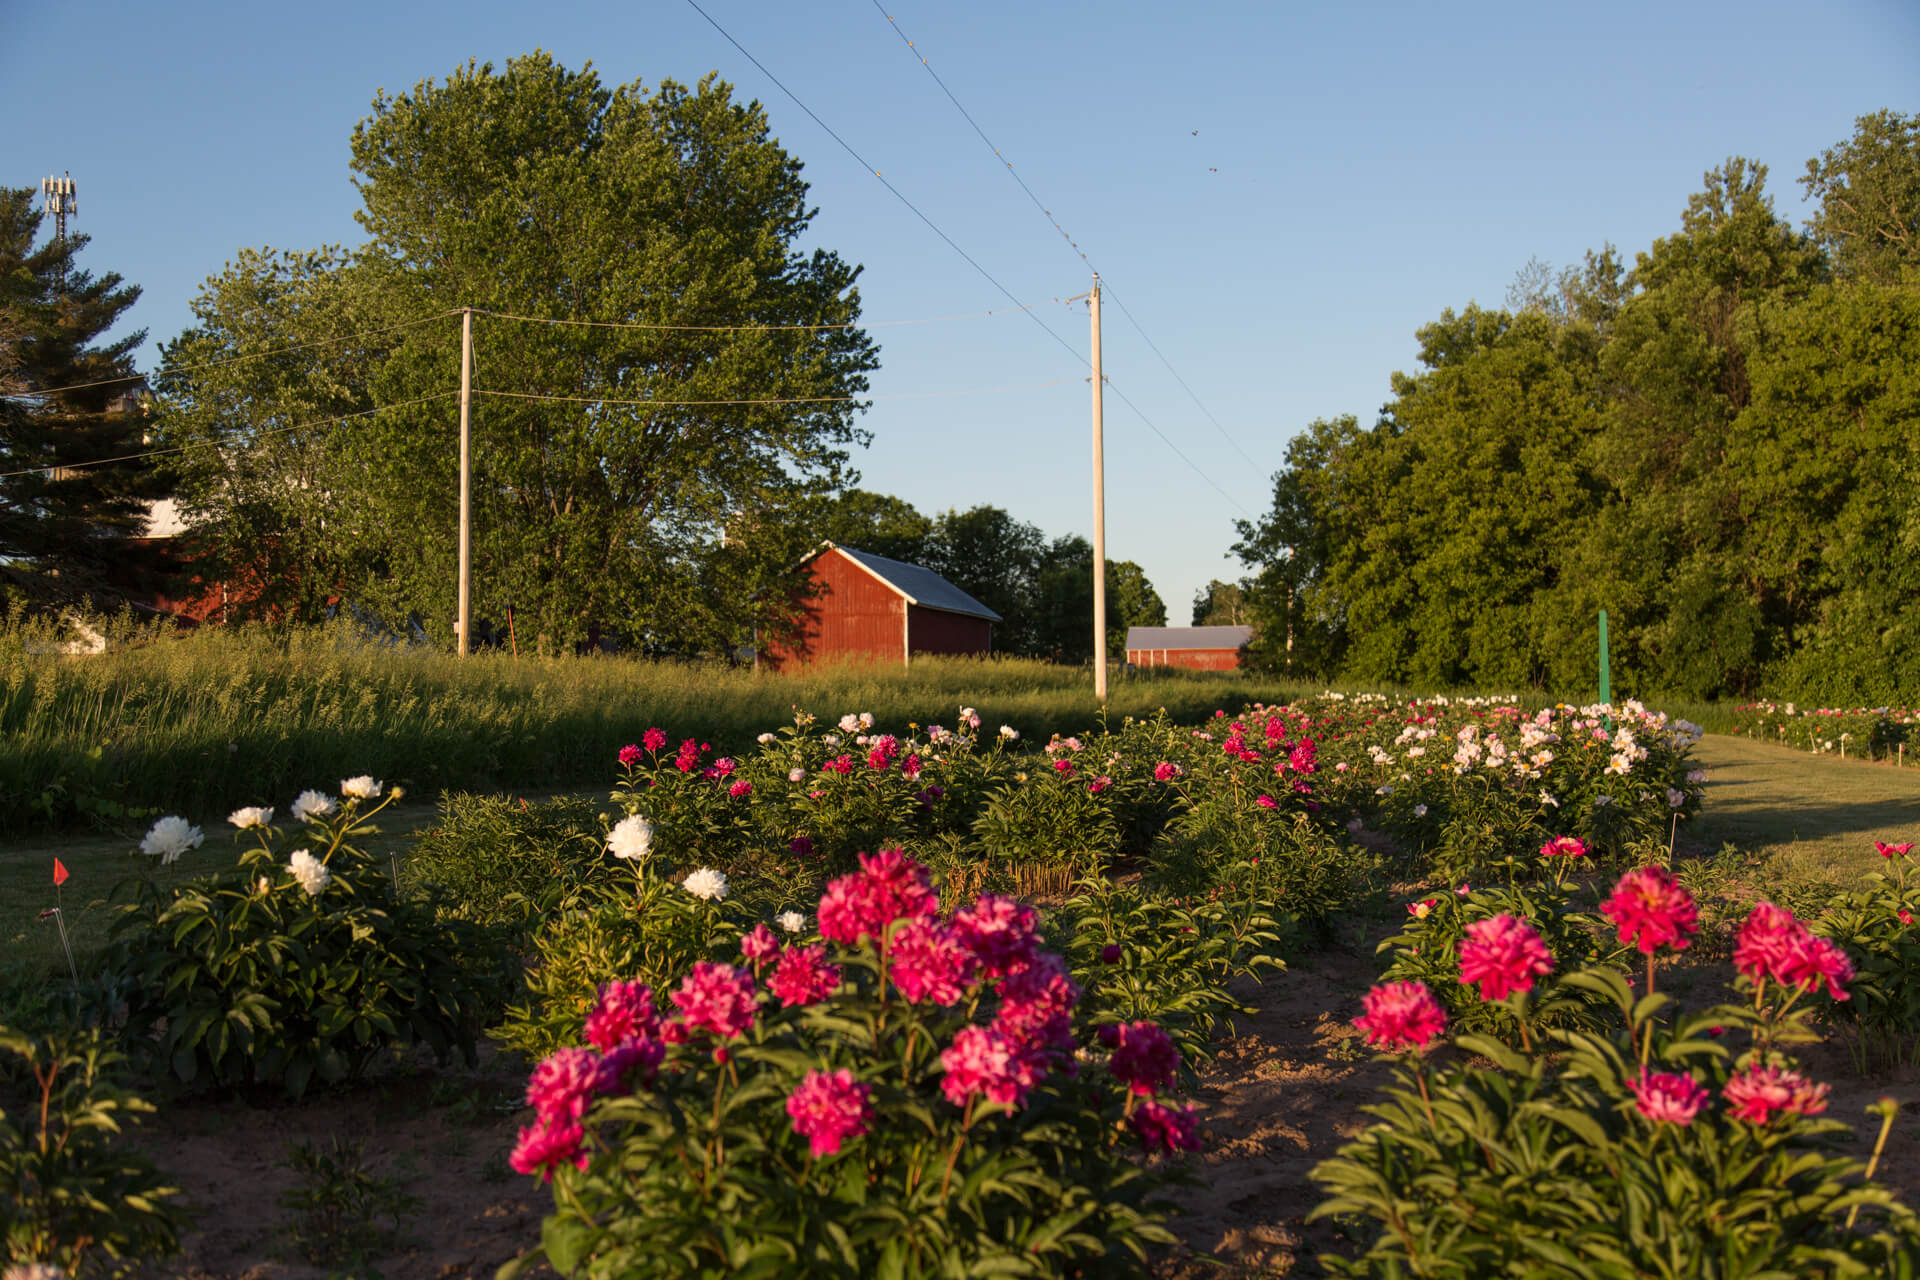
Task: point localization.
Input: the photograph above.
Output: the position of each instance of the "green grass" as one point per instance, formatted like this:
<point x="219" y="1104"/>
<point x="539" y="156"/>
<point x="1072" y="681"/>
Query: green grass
<point x="198" y="723"/>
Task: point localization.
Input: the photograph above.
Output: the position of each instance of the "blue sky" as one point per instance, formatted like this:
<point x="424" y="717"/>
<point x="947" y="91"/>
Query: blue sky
<point x="1356" y="168"/>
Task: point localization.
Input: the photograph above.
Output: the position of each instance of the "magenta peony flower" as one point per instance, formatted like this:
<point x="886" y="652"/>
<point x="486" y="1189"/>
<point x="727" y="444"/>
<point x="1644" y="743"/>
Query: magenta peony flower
<point x="840" y="764"/>
<point x="1036" y="1006"/>
<point x="1166" y="771"/>
<point x="931" y="961"/>
<point x="623" y="1011"/>
<point x="637" y="1059"/>
<point x="1161" y="1127"/>
<point x="1401" y="1015"/>
<point x="800" y="846"/>
<point x="717" y="998"/>
<point x="1652" y="910"/>
<point x="740" y="790"/>
<point x="1144" y="1056"/>
<point x="828" y="1108"/>
<point x="760" y="944"/>
<point x="1266" y="802"/>
<point x="1111" y="953"/>
<point x="1563" y="847"/>
<point x="654" y="739"/>
<point x="629" y="756"/>
<point x="544" y="1147"/>
<point x="1757" y="1093"/>
<point x="565" y="1084"/>
<point x="1767" y="942"/>
<point x="1503" y="955"/>
<point x="910" y="767"/>
<point x="983" y="1061"/>
<point x="1668" y="1099"/>
<point x="1816" y="961"/>
<point x="889" y="886"/>
<point x="1063" y="767"/>
<point x="1893" y="850"/>
<point x="1003" y="934"/>
<point x="802" y="976"/>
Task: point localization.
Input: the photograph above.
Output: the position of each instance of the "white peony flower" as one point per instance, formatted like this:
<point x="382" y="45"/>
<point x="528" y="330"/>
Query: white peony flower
<point x="849" y="723"/>
<point x="1008" y="732"/>
<point x="706" y="883"/>
<point x="1419" y="811"/>
<point x="170" y="838"/>
<point x="796" y="774"/>
<point x="309" y="871"/>
<point x="263" y="886"/>
<point x="764" y="739"/>
<point x="791" y="921"/>
<point x="360" y="788"/>
<point x="866" y="720"/>
<point x="311" y="805"/>
<point x="250" y="817"/>
<point x="1546" y="797"/>
<point x="631" y="837"/>
<point x="831" y="739"/>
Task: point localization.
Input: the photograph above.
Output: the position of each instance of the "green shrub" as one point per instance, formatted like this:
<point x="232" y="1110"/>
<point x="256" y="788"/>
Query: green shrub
<point x="68" y="1198"/>
<point x="1880" y="1024"/>
<point x="495" y="860"/>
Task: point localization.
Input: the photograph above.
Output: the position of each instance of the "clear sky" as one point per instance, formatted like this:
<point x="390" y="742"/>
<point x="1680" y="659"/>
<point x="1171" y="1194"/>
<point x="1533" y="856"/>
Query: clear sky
<point x="1280" y="193"/>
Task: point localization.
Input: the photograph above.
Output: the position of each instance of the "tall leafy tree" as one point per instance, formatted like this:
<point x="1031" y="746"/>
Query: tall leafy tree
<point x="1220" y="604"/>
<point x="1869" y="193"/>
<point x="632" y="477"/>
<point x="73" y="497"/>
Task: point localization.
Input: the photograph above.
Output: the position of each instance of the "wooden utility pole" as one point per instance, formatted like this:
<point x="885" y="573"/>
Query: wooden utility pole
<point x="1099" y="511"/>
<point x="465" y="623"/>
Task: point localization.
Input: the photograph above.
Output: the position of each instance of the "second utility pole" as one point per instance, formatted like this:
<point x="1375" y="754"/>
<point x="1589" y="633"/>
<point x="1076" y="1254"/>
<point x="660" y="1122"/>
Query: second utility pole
<point x="1099" y="511"/>
<point x="466" y="477"/>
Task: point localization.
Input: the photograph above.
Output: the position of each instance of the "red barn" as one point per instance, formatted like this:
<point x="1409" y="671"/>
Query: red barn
<point x="1201" y="648"/>
<point x="887" y="610"/>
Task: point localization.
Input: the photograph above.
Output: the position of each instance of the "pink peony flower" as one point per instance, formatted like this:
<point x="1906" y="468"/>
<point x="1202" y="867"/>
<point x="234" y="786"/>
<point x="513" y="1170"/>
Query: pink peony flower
<point x="931" y="961"/>
<point x="740" y="790"/>
<point x="623" y="1011"/>
<point x="828" y="1108"/>
<point x="1652" y="910"/>
<point x="717" y="998"/>
<point x="910" y="767"/>
<point x="633" y="1060"/>
<point x="1401" y="1015"/>
<point x="1668" y="1099"/>
<point x="1161" y="1127"/>
<point x="1421" y="910"/>
<point x="889" y="886"/>
<point x="1816" y="961"/>
<point x="1266" y="802"/>
<point x="544" y="1146"/>
<point x="1757" y="1093"/>
<point x="1905" y="916"/>
<point x="802" y="976"/>
<point x="1099" y="784"/>
<point x="1144" y="1056"/>
<point x="840" y="764"/>
<point x="982" y="1060"/>
<point x="654" y="739"/>
<point x="800" y="846"/>
<point x="1767" y="943"/>
<point x="723" y="767"/>
<point x="629" y="756"/>
<point x="565" y="1084"/>
<point x="1893" y="850"/>
<point x="1166" y="771"/>
<point x="1503" y="955"/>
<point x="1063" y="767"/>
<point x="760" y="944"/>
<point x="1003" y="934"/>
<point x="1563" y="847"/>
<point x="1036" y="1005"/>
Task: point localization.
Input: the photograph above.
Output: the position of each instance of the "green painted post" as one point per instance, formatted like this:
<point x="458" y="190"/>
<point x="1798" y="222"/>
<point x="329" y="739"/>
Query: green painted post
<point x="1606" y="673"/>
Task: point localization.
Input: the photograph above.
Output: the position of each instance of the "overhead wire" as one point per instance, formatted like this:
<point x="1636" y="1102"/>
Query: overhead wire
<point x="751" y="328"/>
<point x="665" y="404"/>
<point x="1064" y="234"/>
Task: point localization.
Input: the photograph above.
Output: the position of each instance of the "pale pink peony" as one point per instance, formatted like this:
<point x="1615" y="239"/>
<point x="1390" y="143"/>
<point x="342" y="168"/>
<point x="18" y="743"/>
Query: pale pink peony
<point x="1144" y="1056"/>
<point x="1503" y="955"/>
<point x="828" y="1108"/>
<point x="1757" y="1093"/>
<point x="1401" y="1015"/>
<point x="802" y="976"/>
<point x="1668" y="1099"/>
<point x="717" y="998"/>
<point x="623" y="1011"/>
<point x="1652" y="910"/>
<point x="931" y="961"/>
<point x="888" y="887"/>
<point x="1163" y="1127"/>
<point x="1004" y="934"/>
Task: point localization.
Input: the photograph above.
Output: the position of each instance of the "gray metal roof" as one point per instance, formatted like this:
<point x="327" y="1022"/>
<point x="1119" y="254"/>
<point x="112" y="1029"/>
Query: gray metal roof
<point x="920" y="586"/>
<point x="1188" y="637"/>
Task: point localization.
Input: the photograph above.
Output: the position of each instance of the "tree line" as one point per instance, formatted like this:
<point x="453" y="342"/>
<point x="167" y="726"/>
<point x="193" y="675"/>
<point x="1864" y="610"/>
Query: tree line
<point x="1715" y="445"/>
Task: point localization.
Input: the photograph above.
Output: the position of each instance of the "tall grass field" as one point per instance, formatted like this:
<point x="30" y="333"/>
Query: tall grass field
<point x="196" y="723"/>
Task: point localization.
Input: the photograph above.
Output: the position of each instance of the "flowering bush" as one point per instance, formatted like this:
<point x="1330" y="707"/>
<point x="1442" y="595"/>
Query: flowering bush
<point x="896" y="1094"/>
<point x="1876" y="928"/>
<point x="68" y="1199"/>
<point x="287" y="966"/>
<point x="1657" y="1148"/>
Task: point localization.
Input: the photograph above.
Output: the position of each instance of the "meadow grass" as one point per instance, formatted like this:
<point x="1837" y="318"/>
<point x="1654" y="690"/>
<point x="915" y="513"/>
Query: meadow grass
<point x="197" y="723"/>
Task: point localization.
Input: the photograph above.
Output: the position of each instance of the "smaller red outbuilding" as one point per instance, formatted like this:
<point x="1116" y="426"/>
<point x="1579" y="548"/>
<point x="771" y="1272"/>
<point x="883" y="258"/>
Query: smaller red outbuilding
<point x="1202" y="648"/>
<point x="870" y="607"/>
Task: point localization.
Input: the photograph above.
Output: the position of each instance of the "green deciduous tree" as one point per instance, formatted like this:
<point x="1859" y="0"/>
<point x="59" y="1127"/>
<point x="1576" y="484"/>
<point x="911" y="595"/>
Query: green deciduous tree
<point x="65" y="519"/>
<point x="631" y="478"/>
<point x="1869" y="193"/>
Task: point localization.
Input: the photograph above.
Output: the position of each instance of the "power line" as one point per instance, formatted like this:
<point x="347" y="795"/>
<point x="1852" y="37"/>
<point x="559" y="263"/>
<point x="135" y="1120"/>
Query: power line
<point x="270" y="431"/>
<point x="750" y="328"/>
<point x="1064" y="235"/>
<point x="910" y="395"/>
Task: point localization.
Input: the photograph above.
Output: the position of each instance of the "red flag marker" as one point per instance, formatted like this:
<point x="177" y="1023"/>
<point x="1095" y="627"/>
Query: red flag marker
<point x="59" y="873"/>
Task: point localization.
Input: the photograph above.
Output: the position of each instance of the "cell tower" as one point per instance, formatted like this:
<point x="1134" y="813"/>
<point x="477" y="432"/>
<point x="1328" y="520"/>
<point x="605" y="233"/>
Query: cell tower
<point x="61" y="194"/>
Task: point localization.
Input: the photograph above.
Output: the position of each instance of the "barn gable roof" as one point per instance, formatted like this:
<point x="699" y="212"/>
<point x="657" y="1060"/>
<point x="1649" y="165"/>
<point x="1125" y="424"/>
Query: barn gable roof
<point x="1188" y="637"/>
<point x="919" y="585"/>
